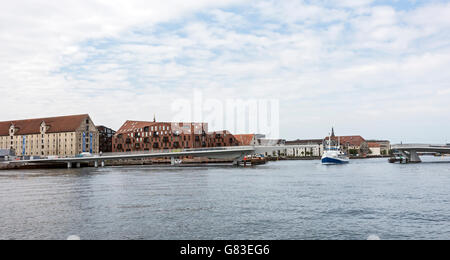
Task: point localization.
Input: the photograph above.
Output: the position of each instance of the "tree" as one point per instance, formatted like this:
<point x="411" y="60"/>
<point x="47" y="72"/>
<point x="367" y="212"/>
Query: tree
<point x="353" y="152"/>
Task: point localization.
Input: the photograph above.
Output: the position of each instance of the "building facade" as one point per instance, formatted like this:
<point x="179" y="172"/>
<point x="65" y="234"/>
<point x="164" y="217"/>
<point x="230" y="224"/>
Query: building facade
<point x="147" y="136"/>
<point x="305" y="148"/>
<point x="353" y="145"/>
<point x="105" y="139"/>
<point x="65" y="136"/>
<point x="247" y="140"/>
<point x="375" y="149"/>
<point x="385" y="146"/>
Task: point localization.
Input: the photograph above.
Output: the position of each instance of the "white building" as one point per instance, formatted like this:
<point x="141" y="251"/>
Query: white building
<point x="304" y="148"/>
<point x="375" y="149"/>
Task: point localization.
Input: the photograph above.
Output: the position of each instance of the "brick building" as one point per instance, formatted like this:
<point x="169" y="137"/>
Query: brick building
<point x="148" y="136"/>
<point x="56" y="136"/>
<point x="105" y="138"/>
<point x="247" y="140"/>
<point x="351" y="144"/>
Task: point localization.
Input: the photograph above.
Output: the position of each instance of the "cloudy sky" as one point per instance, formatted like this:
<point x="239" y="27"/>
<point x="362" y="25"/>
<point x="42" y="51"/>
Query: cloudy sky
<point x="380" y="69"/>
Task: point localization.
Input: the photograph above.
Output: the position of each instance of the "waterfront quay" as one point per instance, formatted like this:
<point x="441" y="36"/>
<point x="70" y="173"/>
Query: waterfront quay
<point x="76" y="141"/>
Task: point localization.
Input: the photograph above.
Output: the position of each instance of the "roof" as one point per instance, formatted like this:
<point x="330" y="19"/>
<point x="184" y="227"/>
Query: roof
<point x="132" y="126"/>
<point x="378" y="141"/>
<point x="136" y="126"/>
<point x="271" y="142"/>
<point x="245" y="140"/>
<point x="220" y="132"/>
<point x="300" y="142"/>
<point x="354" y="140"/>
<point x="33" y="126"/>
<point x="374" y="145"/>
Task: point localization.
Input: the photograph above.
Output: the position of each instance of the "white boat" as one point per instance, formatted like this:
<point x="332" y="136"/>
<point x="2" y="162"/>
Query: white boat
<point x="333" y="154"/>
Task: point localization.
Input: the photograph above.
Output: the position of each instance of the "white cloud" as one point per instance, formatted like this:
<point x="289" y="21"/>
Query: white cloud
<point x="349" y="63"/>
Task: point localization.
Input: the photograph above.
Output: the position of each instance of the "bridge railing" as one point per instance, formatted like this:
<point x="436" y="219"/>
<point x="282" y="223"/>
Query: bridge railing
<point x="399" y="146"/>
<point x="158" y="151"/>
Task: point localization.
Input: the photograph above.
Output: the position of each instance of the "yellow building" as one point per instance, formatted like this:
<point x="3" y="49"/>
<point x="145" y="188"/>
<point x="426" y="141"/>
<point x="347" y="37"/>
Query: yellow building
<point x="64" y="136"/>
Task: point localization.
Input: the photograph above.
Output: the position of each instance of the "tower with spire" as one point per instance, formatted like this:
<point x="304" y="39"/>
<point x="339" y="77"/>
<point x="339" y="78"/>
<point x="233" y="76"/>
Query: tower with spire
<point x="332" y="133"/>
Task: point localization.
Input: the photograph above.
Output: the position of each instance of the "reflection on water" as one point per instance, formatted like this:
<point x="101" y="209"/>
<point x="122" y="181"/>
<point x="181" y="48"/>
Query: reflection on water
<point x="283" y="200"/>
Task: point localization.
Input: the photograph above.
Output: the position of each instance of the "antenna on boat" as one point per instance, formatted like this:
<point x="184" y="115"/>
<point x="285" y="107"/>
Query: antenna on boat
<point x="329" y="141"/>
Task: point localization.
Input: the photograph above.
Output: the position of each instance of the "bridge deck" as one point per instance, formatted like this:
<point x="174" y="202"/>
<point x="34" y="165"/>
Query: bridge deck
<point x="225" y="153"/>
<point x="422" y="148"/>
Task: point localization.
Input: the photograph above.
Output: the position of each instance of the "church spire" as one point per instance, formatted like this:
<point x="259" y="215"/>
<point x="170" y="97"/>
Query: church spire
<point x="154" y="118"/>
<point x="332" y="132"/>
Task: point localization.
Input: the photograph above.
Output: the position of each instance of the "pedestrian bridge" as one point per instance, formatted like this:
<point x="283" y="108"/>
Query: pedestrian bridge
<point x="410" y="151"/>
<point x="237" y="154"/>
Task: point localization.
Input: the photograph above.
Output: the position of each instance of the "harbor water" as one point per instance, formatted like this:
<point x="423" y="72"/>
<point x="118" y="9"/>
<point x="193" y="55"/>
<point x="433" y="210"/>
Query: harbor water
<point x="280" y="200"/>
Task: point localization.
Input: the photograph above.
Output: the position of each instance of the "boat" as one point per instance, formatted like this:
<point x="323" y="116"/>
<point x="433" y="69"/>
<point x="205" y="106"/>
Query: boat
<point x="333" y="154"/>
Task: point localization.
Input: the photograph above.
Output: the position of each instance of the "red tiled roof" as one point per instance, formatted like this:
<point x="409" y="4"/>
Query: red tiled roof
<point x="374" y="145"/>
<point x="245" y="140"/>
<point x="55" y="124"/>
<point x="355" y="140"/>
<point x="132" y="126"/>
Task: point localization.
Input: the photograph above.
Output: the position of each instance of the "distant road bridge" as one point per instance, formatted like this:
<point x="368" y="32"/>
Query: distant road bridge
<point x="237" y="154"/>
<point x="410" y="151"/>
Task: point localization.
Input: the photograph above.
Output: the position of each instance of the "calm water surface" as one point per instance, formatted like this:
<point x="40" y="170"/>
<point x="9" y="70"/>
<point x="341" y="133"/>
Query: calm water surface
<point x="283" y="200"/>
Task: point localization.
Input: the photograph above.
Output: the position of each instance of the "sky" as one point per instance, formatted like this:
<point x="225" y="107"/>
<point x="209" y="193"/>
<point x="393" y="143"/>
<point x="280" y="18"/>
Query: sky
<point x="380" y="69"/>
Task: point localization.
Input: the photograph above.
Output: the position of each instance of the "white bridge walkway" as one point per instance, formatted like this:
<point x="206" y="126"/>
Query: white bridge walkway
<point x="235" y="153"/>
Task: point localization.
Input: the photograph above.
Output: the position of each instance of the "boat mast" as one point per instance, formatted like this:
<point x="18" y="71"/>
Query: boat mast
<point x="329" y="141"/>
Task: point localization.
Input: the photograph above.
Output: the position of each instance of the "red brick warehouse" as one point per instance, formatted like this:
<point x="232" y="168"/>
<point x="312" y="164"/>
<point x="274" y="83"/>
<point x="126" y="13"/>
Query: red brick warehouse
<point x="147" y="136"/>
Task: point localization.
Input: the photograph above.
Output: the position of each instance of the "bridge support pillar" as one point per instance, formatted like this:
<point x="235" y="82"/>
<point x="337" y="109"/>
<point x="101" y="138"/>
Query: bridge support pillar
<point x="78" y="165"/>
<point x="238" y="160"/>
<point x="414" y="157"/>
<point x="172" y="161"/>
<point x="96" y="164"/>
<point x="103" y="164"/>
<point x="69" y="165"/>
<point x="411" y="156"/>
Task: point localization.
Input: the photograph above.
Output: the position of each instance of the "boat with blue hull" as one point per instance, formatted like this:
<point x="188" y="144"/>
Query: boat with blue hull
<point x="333" y="157"/>
<point x="333" y="154"/>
